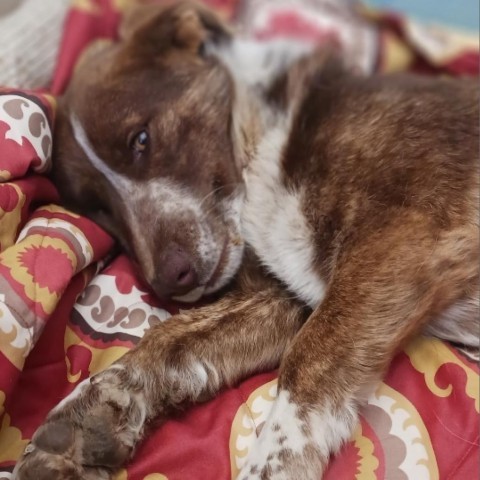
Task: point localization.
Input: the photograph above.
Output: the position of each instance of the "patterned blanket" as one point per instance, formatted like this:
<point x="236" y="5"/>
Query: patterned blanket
<point x="70" y="305"/>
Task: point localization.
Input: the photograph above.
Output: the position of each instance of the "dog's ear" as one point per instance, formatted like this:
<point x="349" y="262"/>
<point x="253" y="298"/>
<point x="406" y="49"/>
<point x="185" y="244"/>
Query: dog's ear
<point x="183" y="25"/>
<point x="94" y="52"/>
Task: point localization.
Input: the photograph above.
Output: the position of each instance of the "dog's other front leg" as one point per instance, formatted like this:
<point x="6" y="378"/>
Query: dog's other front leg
<point x="344" y="349"/>
<point x="186" y="359"/>
<point x="316" y="406"/>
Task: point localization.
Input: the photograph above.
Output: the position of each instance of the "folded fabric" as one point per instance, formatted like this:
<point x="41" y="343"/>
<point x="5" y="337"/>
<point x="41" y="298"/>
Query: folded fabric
<point x="30" y="34"/>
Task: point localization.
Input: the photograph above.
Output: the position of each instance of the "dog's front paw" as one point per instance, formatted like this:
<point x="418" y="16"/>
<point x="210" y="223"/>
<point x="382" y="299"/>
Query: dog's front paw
<point x="88" y="435"/>
<point x="39" y="464"/>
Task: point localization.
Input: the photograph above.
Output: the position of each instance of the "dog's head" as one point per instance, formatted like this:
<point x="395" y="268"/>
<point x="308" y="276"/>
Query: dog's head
<point x="143" y="146"/>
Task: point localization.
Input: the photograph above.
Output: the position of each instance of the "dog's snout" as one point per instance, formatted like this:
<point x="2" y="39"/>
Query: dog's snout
<point x="176" y="273"/>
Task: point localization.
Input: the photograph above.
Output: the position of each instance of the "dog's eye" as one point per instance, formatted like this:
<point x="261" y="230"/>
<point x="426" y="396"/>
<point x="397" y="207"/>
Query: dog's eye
<point x="139" y="143"/>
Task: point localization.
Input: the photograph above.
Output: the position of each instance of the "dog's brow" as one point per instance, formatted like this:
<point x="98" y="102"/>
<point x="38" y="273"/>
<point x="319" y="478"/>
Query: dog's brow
<point x="119" y="181"/>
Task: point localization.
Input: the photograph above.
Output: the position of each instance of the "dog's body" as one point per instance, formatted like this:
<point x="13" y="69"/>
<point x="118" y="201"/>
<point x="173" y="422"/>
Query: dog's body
<point x="344" y="208"/>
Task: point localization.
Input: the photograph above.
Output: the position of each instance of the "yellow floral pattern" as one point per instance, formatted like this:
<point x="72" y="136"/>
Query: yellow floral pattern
<point x="12" y="259"/>
<point x="368" y="462"/>
<point x="11" y="443"/>
<point x="428" y="355"/>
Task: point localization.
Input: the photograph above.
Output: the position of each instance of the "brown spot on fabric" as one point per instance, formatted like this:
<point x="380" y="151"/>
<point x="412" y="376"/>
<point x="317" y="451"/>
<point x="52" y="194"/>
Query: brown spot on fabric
<point x="90" y="295"/>
<point x="136" y="317"/>
<point x="118" y="316"/>
<point x="106" y="310"/>
<point x="36" y="123"/>
<point x="46" y="145"/>
<point x="14" y="108"/>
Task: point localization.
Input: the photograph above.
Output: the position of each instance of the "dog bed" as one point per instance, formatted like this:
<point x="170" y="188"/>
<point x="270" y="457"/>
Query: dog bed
<point x="70" y="305"/>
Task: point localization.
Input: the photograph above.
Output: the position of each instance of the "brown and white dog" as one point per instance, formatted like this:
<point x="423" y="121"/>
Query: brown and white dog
<point x="341" y="211"/>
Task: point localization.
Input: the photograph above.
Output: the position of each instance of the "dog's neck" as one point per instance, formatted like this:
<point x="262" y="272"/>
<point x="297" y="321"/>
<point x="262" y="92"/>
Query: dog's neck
<point x="256" y="68"/>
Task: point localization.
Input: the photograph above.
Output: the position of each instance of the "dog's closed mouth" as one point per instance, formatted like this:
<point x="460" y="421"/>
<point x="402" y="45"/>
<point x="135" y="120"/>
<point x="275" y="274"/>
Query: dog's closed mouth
<point x="191" y="296"/>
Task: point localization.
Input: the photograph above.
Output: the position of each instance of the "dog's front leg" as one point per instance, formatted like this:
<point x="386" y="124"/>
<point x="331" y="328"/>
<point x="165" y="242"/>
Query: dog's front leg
<point x="328" y="371"/>
<point x="316" y="406"/>
<point x="187" y="359"/>
<point x="340" y="354"/>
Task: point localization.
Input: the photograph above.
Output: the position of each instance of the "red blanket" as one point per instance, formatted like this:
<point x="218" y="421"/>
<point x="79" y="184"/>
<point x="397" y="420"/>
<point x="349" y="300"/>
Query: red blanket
<point x="69" y="307"/>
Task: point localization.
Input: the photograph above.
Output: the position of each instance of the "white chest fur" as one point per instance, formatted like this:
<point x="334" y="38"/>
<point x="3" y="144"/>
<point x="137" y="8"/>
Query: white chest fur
<point x="274" y="224"/>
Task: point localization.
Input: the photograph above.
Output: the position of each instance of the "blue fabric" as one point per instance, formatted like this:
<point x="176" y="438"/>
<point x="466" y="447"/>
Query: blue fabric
<point x="463" y="14"/>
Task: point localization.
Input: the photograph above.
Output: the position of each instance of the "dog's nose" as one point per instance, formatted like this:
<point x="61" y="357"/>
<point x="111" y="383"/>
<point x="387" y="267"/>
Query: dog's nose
<point x="176" y="273"/>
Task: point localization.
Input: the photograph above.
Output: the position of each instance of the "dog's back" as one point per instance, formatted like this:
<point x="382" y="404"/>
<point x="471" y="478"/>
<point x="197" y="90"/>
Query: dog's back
<point x="372" y="163"/>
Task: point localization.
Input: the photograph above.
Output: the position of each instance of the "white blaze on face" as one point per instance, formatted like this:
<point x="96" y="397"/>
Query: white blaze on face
<point x="124" y="186"/>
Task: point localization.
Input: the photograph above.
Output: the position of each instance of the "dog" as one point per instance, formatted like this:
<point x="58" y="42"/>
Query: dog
<point x="334" y="215"/>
